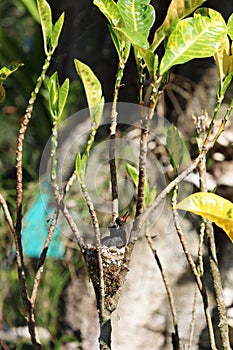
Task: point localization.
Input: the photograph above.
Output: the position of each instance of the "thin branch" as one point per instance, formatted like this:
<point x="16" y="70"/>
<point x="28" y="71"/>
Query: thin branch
<point x="40" y="267"/>
<point x="112" y="151"/>
<point x="142" y="163"/>
<point x="73" y="226"/>
<point x="192" y="324"/>
<point x="98" y="249"/>
<point x="168" y="289"/>
<point x="145" y="129"/>
<point x="217" y="283"/>
<point x="20" y="143"/>
<point x="215" y="273"/>
<point x="199" y="280"/>
<point x="22" y="278"/>
<point x="19" y="198"/>
<point x="141" y="219"/>
<point x="7" y="214"/>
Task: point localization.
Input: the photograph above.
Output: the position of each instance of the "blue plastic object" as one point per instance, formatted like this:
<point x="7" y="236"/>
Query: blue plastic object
<point x="36" y="223"/>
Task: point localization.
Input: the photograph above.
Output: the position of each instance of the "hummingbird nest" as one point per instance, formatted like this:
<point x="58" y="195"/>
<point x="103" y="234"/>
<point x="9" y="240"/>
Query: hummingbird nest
<point x="114" y="265"/>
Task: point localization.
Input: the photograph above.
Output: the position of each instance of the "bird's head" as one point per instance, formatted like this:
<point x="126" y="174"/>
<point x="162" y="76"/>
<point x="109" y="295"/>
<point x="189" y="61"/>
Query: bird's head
<point x="121" y="220"/>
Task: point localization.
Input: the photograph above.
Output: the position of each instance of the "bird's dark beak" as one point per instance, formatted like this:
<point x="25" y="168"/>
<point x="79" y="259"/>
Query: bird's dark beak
<point x="125" y="216"/>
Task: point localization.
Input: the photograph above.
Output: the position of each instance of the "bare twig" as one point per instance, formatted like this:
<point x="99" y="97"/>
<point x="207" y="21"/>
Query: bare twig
<point x="192" y="324"/>
<point x="73" y="226"/>
<point x="199" y="280"/>
<point x="40" y="267"/>
<point x="168" y="290"/>
<point x="142" y="162"/>
<point x="19" y="198"/>
<point x="20" y="142"/>
<point x="22" y="278"/>
<point x="215" y="273"/>
<point x="98" y="247"/>
<point x="7" y="214"/>
<point x="113" y="126"/>
<point x="145" y="129"/>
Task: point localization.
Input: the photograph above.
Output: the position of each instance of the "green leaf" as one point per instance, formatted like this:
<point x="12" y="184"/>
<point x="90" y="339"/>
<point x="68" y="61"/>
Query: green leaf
<point x="222" y="58"/>
<point x="136" y="38"/>
<point x="92" y="88"/>
<point x="32" y="9"/>
<point x="56" y="31"/>
<point x="210" y="206"/>
<point x="46" y="22"/>
<point x="176" y="146"/>
<point x="81" y="167"/>
<point x="50" y="32"/>
<point x="151" y="60"/>
<point x="57" y="96"/>
<point x="63" y="94"/>
<point x="152" y="195"/>
<point x="138" y="16"/>
<point x="53" y="95"/>
<point x="230" y="26"/>
<point x="178" y="9"/>
<point x="8" y="70"/>
<point x="2" y="93"/>
<point x="196" y="37"/>
<point x="134" y="175"/>
<point x="110" y="9"/>
<point x="122" y="44"/>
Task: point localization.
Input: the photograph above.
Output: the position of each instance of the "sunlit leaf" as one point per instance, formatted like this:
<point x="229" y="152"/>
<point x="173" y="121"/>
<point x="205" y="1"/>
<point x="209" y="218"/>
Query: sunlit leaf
<point x="81" y="167"/>
<point x="46" y="22"/>
<point x="110" y="9"/>
<point x="54" y="94"/>
<point x="136" y="38"/>
<point x="176" y="146"/>
<point x="138" y="15"/>
<point x="211" y="206"/>
<point x="56" y="31"/>
<point x="230" y="26"/>
<point x="92" y="88"/>
<point x="57" y="96"/>
<point x="8" y="70"/>
<point x="178" y="9"/>
<point x="222" y="58"/>
<point x="134" y="175"/>
<point x="226" y="81"/>
<point x="32" y="9"/>
<point x="50" y="32"/>
<point x="196" y="37"/>
<point x="63" y="94"/>
<point x="121" y="42"/>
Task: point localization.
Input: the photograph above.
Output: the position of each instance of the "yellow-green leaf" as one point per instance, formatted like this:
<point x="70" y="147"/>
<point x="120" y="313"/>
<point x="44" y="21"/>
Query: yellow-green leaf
<point x="210" y="206"/>
<point x="222" y="58"/>
<point x="230" y="26"/>
<point x="93" y="90"/>
<point x="196" y="37"/>
<point x="176" y="146"/>
<point x="138" y="16"/>
<point x="8" y="70"/>
<point x="178" y="9"/>
<point x="110" y="9"/>
<point x="46" y="22"/>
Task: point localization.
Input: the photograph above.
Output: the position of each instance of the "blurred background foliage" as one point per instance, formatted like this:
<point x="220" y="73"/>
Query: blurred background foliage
<point x="21" y="41"/>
